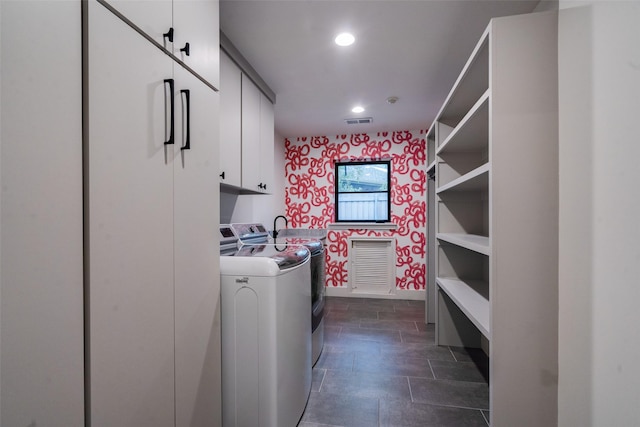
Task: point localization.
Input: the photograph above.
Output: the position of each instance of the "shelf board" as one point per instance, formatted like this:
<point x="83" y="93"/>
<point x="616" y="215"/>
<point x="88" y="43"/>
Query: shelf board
<point x="472" y="133"/>
<point x="431" y="133"/>
<point x="431" y="166"/>
<point x="472" y="297"/>
<point x="473" y="242"/>
<point x="477" y="179"/>
<point x="472" y="81"/>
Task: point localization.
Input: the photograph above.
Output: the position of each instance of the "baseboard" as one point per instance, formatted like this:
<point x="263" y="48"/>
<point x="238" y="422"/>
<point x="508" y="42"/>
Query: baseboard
<point x="407" y="294"/>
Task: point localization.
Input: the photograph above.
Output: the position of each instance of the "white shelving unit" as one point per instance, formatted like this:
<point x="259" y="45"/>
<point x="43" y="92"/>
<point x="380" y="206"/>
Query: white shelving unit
<point x="494" y="153"/>
<point x="430" y="295"/>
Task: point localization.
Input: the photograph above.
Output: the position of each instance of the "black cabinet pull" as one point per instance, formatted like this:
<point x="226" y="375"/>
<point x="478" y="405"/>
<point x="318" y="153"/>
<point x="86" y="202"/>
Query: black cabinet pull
<point x="185" y="49"/>
<point x="222" y="175"/>
<point x="168" y="35"/>
<point x="187" y="95"/>
<point x="262" y="186"/>
<point x="171" y="133"/>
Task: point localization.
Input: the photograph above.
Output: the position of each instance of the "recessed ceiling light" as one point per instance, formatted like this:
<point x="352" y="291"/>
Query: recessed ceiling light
<point x="345" y="39"/>
<point x="357" y="109"/>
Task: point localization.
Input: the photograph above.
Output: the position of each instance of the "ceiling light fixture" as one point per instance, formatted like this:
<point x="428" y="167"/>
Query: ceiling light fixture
<point x="392" y="100"/>
<point x="345" y="39"/>
<point x="357" y="109"/>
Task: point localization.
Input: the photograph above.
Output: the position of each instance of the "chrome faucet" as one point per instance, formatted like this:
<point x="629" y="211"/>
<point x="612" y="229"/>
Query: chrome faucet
<point x="275" y="220"/>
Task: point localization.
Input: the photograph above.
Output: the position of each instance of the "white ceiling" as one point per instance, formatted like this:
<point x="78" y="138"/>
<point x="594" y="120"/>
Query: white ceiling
<point x="410" y="49"/>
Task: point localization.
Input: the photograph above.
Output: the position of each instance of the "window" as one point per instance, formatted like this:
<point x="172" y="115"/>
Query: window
<point x="362" y="191"/>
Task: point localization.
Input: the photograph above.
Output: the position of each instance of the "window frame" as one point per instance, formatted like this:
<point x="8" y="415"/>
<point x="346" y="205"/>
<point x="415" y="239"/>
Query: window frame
<point x="337" y="164"/>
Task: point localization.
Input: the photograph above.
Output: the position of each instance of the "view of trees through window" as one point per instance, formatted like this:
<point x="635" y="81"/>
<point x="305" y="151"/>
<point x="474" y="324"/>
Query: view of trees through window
<point x="362" y="191"/>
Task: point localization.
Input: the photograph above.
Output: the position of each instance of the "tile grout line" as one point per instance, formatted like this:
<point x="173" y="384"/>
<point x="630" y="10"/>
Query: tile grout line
<point x="455" y="359"/>
<point x="432" y="371"/>
<point x="485" y="417"/>
<point x="410" y="391"/>
<point x="472" y="408"/>
<point x="324" y="375"/>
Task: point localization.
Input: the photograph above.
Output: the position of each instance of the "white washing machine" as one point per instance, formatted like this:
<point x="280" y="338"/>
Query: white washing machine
<point x="252" y="233"/>
<point x="266" y="334"/>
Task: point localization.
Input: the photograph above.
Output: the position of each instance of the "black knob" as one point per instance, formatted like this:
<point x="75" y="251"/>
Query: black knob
<point x="169" y="35"/>
<point x="222" y="175"/>
<point x="185" y="49"/>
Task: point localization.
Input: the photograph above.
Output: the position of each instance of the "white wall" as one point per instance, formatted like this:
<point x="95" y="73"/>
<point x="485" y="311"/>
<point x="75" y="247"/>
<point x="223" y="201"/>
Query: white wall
<point x="41" y="267"/>
<point x="278" y="206"/>
<point x="258" y="208"/>
<point x="599" y="349"/>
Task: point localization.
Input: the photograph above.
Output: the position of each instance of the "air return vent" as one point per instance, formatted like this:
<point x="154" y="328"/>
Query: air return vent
<point x="359" y="121"/>
<point x="372" y="265"/>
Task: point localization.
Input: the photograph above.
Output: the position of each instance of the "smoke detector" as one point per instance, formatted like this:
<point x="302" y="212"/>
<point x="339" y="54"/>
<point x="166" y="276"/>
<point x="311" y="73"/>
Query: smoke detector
<point x="392" y="100"/>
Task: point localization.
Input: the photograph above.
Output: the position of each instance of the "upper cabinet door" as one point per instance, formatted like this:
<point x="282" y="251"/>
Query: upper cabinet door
<point x="266" y="143"/>
<point x="251" y="175"/>
<point x="230" y="121"/>
<point x="257" y="139"/>
<point x="196" y="24"/>
<point x="155" y="18"/>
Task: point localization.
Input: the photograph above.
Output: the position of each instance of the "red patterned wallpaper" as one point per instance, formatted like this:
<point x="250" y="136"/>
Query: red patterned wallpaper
<point x="309" y="194"/>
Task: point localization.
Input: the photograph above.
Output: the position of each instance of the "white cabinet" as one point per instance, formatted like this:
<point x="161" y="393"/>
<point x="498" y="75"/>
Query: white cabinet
<point x="196" y="23"/>
<point x="155" y="18"/>
<point x="152" y="274"/>
<point x="251" y="174"/>
<point x="230" y="122"/>
<point x="196" y="287"/>
<point x="246" y="132"/>
<point x="496" y="204"/>
<point x="130" y="259"/>
<point x="257" y="138"/>
<point x="181" y="26"/>
<point x="266" y="143"/>
<point x="41" y="237"/>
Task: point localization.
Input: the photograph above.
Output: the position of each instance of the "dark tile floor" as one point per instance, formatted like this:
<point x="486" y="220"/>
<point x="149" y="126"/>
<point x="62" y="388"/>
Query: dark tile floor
<point x="380" y="367"/>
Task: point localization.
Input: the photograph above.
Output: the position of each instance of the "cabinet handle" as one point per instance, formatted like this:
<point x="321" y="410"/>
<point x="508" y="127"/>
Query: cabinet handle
<point x="185" y="49"/>
<point x="187" y="95"/>
<point x="172" y="106"/>
<point x="222" y="175"/>
<point x="168" y="35"/>
<point x="262" y="186"/>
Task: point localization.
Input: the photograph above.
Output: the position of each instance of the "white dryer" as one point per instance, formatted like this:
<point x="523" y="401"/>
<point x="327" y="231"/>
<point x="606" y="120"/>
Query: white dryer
<point x="266" y="334"/>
